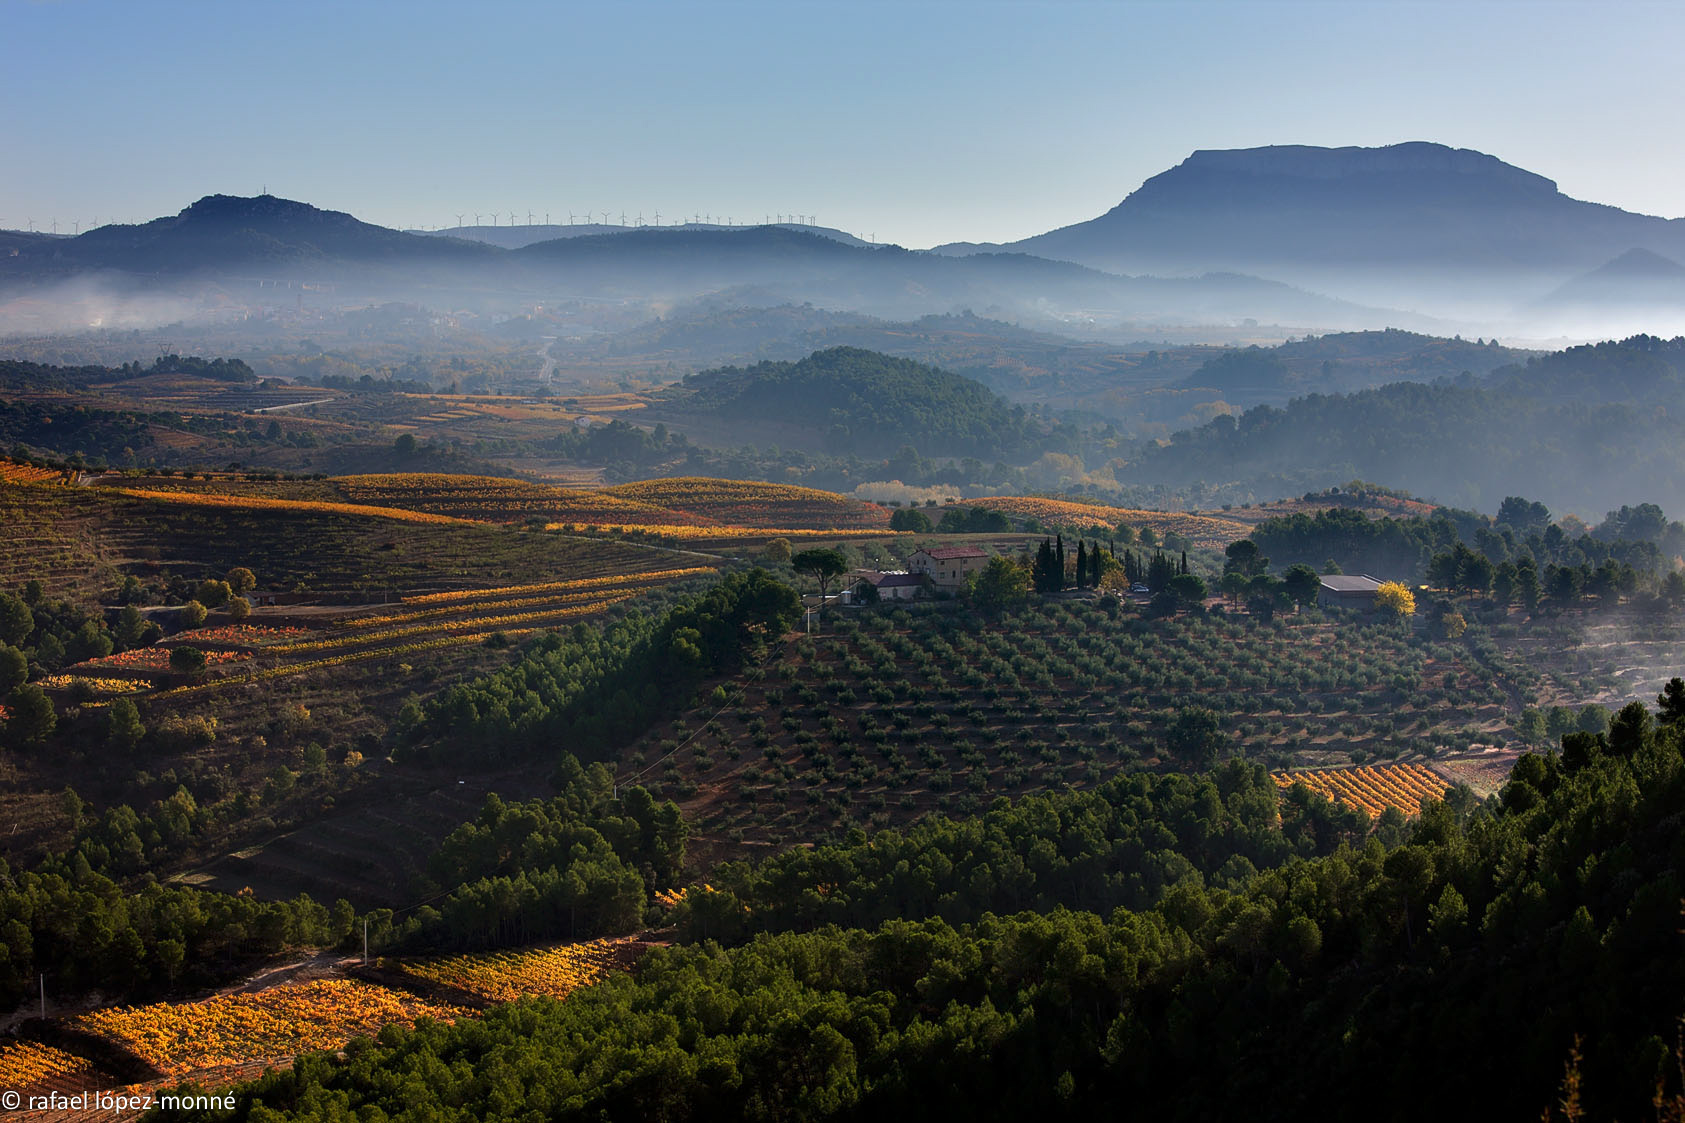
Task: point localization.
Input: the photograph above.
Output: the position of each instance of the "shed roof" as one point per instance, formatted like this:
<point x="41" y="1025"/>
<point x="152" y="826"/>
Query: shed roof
<point x="1338" y="583"/>
<point x="952" y="553"/>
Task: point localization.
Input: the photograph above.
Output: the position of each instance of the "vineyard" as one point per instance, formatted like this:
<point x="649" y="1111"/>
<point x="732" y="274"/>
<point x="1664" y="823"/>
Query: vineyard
<point x="178" y="1038"/>
<point x="269" y="503"/>
<point x="12" y="471"/>
<point x="1202" y="530"/>
<point x="894" y="715"/>
<point x="237" y="1030"/>
<point x="1403" y="786"/>
<point x="436" y="621"/>
<point x="676" y="508"/>
<point x="505" y="976"/>
<point x="692" y="533"/>
<point x="24" y="1064"/>
<point x="748" y="504"/>
<point x="492" y="499"/>
<point x="83" y="539"/>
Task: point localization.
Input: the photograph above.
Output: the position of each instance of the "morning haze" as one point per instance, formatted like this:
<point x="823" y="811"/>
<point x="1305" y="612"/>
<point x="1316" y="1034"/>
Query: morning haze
<point x="678" y="562"/>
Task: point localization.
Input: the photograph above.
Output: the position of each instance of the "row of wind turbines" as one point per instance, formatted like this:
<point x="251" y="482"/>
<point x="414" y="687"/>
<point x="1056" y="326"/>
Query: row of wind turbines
<point x="575" y="219"/>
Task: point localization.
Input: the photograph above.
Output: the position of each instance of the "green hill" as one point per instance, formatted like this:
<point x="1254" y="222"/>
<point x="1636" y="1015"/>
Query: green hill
<point x="857" y="401"/>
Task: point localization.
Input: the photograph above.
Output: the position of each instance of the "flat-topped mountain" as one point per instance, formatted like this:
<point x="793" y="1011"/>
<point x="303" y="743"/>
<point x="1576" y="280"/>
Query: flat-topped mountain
<point x="1405" y="204"/>
<point x="1447" y="231"/>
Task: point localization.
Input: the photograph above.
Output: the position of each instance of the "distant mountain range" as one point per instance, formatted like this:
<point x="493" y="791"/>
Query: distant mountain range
<point x="516" y="236"/>
<point x="1281" y="239"/>
<point x="262" y="248"/>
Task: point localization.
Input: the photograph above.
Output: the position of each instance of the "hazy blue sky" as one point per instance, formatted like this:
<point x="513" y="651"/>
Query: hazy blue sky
<point x="919" y="122"/>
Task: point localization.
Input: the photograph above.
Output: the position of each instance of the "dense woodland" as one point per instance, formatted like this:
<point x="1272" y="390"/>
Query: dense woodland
<point x="867" y="403"/>
<point x="1467" y="441"/>
<point x="1535" y="928"/>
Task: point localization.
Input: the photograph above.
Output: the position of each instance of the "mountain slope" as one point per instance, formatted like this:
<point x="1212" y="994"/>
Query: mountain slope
<point x="225" y="231"/>
<point x="1404" y="205"/>
<point x="1638" y="290"/>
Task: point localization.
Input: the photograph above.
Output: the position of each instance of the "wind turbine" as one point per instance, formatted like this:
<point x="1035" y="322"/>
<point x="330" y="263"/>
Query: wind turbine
<point x="494" y="215"/>
<point x="640" y="218"/>
<point x="623" y="218"/>
<point x="459" y="219"/>
<point x="476" y="220"/>
<point x="605" y="218"/>
<point x="547" y="218"/>
<point x="658" y="218"/>
<point x="512" y="218"/>
<point x="571" y="217"/>
<point x="529" y="218"/>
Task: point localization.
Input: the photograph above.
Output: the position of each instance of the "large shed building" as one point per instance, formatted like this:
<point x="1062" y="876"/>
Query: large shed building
<point x="1341" y="591"/>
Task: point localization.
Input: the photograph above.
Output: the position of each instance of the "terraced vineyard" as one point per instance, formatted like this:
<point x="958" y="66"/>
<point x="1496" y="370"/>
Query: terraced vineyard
<point x="82" y="538"/>
<point x="490" y="499"/>
<point x="1403" y="786"/>
<point x="668" y="506"/>
<point x="442" y="620"/>
<point x="1207" y="531"/>
<point x="55" y="535"/>
<point x="750" y="504"/>
<point x="890" y="716"/>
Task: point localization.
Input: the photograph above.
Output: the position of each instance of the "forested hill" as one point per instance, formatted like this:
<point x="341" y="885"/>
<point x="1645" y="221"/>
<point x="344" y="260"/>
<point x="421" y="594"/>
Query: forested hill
<point x="1580" y="430"/>
<point x="863" y="402"/>
<point x="1398" y="972"/>
<point x="17" y="374"/>
<point x="1343" y="362"/>
<point x="1643" y="370"/>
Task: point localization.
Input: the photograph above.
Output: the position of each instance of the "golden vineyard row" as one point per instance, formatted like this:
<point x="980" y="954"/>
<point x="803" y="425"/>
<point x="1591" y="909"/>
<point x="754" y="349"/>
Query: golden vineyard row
<point x="1373" y="789"/>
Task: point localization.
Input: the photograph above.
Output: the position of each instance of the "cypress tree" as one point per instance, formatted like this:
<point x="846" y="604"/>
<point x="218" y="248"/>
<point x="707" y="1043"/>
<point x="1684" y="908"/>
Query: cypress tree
<point x="1041" y="572"/>
<point x="1082" y="565"/>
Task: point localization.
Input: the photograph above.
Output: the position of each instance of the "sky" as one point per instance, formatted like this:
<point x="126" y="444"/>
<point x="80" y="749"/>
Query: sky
<point x="912" y="121"/>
